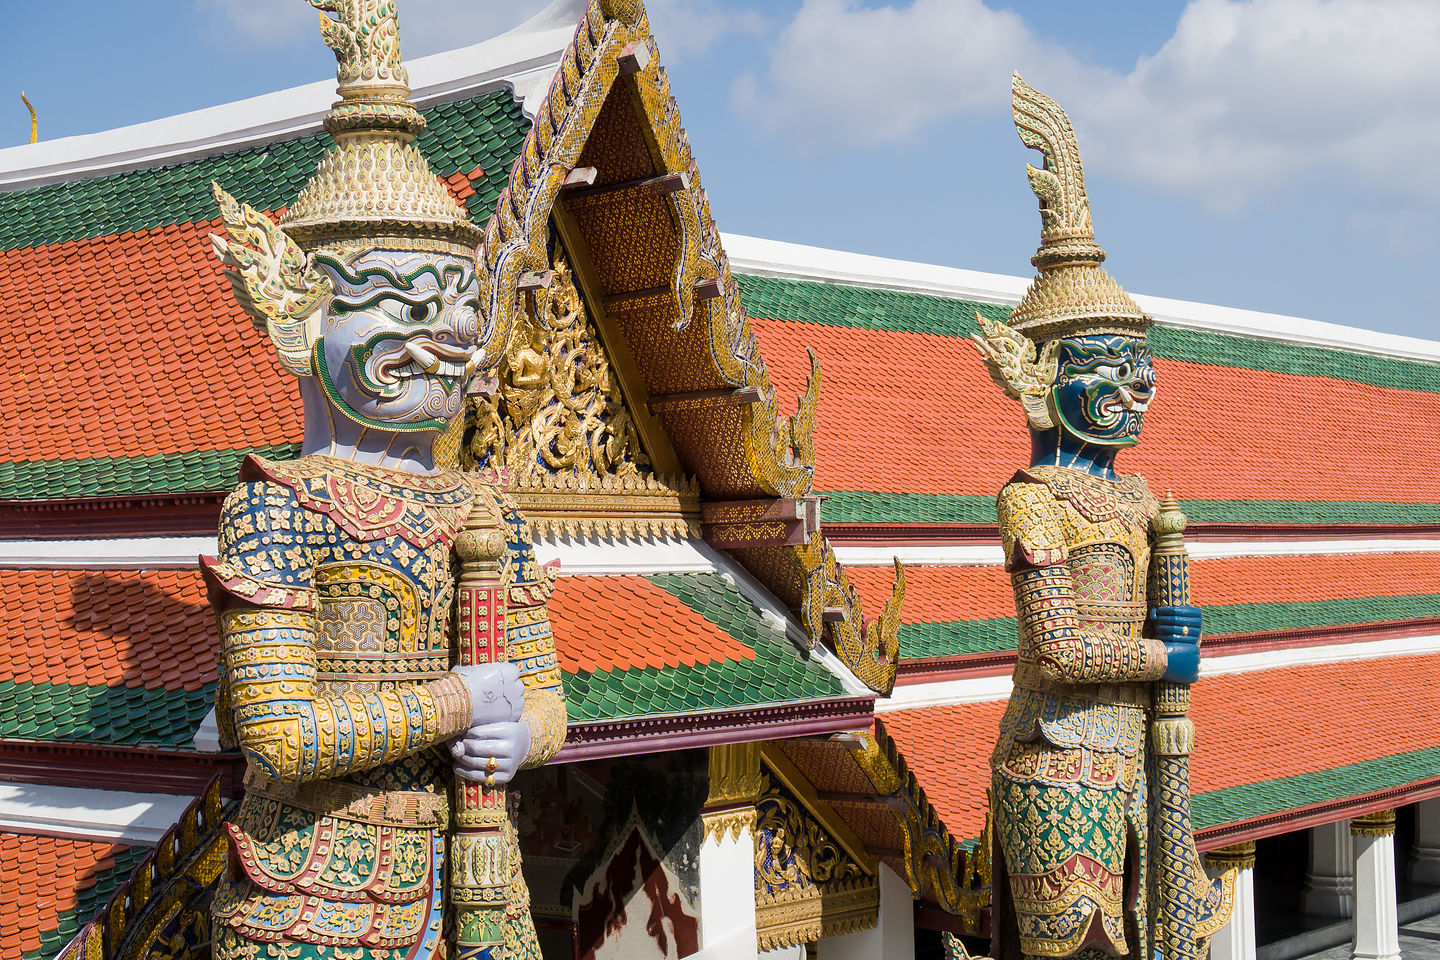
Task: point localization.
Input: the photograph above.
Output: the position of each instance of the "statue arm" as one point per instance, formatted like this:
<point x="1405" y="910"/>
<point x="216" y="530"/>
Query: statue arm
<point x="531" y="646"/>
<point x="1032" y="532"/>
<point x="261" y="586"/>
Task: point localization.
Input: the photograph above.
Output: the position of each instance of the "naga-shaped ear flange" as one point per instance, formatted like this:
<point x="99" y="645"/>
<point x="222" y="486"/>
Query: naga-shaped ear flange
<point x="274" y="281"/>
<point x="1015" y="365"/>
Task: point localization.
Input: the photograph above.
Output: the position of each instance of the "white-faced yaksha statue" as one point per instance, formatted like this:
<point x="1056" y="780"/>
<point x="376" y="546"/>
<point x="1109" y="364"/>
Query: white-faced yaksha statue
<point x="383" y="623"/>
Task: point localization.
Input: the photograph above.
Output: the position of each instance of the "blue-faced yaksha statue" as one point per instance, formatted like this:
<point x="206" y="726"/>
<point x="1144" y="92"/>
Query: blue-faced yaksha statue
<point x="382" y="618"/>
<point x="1090" y="786"/>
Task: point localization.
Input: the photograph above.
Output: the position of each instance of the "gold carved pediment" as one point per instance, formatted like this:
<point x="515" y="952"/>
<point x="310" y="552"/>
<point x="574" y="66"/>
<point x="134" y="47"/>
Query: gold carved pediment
<point x="558" y="426"/>
<point x="807" y="884"/>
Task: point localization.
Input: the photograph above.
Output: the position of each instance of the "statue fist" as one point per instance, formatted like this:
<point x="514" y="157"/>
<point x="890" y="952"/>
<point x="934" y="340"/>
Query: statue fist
<point x="497" y="695"/>
<point x="1179" y="629"/>
<point x="492" y="752"/>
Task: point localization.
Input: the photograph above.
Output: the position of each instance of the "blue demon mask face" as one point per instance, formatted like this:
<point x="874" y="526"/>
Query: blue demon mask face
<point x="1104" y="386"/>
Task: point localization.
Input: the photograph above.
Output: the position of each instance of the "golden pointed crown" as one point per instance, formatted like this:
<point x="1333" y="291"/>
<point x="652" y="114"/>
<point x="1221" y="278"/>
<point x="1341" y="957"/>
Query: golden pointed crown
<point x="1071" y="295"/>
<point x="373" y="186"/>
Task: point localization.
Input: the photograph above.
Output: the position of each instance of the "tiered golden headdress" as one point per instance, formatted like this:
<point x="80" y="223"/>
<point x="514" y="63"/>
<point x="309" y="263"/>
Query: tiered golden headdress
<point x="373" y="185"/>
<point x="1071" y="295"/>
<point x="373" y="190"/>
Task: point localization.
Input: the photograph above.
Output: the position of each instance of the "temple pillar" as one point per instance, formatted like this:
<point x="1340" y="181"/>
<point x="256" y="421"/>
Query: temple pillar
<point x="1236" y="940"/>
<point x="1425" y="854"/>
<point x="1330" y="880"/>
<point x="892" y="937"/>
<point x="727" y="854"/>
<point x="1377" y="926"/>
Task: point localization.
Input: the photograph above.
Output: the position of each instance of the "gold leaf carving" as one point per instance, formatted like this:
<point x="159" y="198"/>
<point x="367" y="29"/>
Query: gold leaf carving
<point x="558" y="427"/>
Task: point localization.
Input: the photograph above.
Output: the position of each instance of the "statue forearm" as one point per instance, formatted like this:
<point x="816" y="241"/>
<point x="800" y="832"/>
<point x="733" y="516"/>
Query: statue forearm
<point x="532" y="648"/>
<point x="291" y="733"/>
<point x="1065" y="652"/>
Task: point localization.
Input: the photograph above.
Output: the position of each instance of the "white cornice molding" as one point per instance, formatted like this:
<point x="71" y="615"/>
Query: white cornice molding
<point x="984" y="555"/>
<point x="85" y="813"/>
<point x="584" y="557"/>
<point x="775" y="258"/>
<point x="523" y="59"/>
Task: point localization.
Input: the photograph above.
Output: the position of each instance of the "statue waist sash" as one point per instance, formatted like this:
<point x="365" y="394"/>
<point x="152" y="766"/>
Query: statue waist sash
<point x="352" y="801"/>
<point x="1029" y="676"/>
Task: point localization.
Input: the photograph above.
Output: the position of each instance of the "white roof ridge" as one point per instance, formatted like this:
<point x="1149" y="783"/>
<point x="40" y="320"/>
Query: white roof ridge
<point x="523" y="59"/>
<point x="775" y="258"/>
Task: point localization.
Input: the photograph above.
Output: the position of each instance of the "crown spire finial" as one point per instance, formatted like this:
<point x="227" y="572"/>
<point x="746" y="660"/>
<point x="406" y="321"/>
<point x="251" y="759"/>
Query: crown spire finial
<point x="1071" y="295"/>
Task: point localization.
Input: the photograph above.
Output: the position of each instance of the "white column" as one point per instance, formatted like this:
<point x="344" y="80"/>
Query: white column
<point x="1236" y="940"/>
<point x="892" y="937"/>
<point x="727" y="885"/>
<point x="1377" y="927"/>
<point x="1425" y="855"/>
<point x="1330" y="881"/>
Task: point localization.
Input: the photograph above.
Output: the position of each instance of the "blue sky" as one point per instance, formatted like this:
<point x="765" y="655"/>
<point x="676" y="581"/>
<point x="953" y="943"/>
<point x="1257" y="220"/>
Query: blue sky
<point x="1269" y="154"/>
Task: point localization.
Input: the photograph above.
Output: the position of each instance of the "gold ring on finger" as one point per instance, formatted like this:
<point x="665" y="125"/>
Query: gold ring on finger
<point x="1184" y="631"/>
<point x="492" y="765"/>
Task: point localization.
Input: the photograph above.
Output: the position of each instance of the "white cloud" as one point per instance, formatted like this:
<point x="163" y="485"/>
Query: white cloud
<point x="689" y="28"/>
<point x="426" y="26"/>
<point x="1246" y="96"/>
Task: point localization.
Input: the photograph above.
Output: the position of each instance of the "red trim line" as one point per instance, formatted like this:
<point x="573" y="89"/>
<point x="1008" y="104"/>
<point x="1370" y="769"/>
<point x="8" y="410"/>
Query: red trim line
<point x="142" y="769"/>
<point x="935" y="669"/>
<point x="1302" y="818"/>
<point x="622" y="738"/>
<point x="942" y="534"/>
<point x="189" y="515"/>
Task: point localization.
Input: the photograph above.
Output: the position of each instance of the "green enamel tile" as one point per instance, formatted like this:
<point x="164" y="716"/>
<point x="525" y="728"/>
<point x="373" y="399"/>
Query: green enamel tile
<point x="484" y="131"/>
<point x="778" y="672"/>
<point x="807" y="301"/>
<point x="115" y="715"/>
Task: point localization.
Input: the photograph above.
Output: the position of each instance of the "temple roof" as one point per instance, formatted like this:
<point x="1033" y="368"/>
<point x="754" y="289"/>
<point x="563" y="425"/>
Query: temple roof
<point x="64" y="882"/>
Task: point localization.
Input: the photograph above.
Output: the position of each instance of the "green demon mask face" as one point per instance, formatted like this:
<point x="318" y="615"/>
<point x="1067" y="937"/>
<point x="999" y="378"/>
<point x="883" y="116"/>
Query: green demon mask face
<point x="401" y="337"/>
<point x="1104" y="386"/>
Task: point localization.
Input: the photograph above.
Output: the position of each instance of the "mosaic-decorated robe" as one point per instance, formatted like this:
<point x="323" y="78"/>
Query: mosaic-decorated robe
<point x="1069" y="774"/>
<point x="334" y="590"/>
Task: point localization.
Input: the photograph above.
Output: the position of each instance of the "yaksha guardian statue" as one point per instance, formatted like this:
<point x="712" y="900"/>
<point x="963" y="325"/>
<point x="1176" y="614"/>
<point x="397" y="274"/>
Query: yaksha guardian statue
<point x="1090" y="792"/>
<point x="350" y="581"/>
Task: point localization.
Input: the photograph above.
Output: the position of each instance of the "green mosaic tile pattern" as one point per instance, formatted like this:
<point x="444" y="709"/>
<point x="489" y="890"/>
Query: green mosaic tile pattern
<point x="1234" y="804"/>
<point x="122" y="716"/>
<point x="95" y="896"/>
<point x="809" y="301"/>
<point x="191" y="472"/>
<point x="484" y="131"/>
<point x="864" y="506"/>
<point x="778" y="674"/>
<point x="954" y="638"/>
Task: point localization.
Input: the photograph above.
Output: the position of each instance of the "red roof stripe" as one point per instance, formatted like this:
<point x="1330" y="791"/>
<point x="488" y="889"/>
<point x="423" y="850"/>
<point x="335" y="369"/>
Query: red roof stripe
<point x="878" y="395"/>
<point x="1245" y="735"/>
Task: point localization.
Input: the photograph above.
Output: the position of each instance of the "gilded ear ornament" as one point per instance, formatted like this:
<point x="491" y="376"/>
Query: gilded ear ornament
<point x="273" y="279"/>
<point x="1017" y="367"/>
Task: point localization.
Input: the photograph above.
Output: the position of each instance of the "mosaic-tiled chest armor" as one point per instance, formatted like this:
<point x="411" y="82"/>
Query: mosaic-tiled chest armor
<point x="334" y="589"/>
<point x="1069" y="783"/>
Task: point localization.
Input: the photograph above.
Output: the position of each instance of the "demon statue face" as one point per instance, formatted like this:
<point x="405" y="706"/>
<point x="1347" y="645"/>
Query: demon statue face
<point x="1103" y="385"/>
<point x="402" y="336"/>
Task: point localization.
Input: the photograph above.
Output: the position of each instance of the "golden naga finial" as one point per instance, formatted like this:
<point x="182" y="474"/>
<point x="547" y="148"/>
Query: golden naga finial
<point x="34" y="123"/>
<point x="365" y="36"/>
<point x="1066" y="233"/>
<point x="1071" y="296"/>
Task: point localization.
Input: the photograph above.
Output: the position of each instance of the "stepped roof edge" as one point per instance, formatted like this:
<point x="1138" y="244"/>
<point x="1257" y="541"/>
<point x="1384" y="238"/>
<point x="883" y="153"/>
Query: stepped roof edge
<point x="794" y="261"/>
<point x="523" y="58"/>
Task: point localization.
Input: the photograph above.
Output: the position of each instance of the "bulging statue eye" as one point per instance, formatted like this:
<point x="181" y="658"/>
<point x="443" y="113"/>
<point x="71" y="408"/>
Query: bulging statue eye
<point x="420" y="312"/>
<point x="1124" y="371"/>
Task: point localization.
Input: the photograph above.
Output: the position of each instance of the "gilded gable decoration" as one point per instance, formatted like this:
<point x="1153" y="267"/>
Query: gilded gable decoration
<point x="807" y="886"/>
<point x="558" y="427"/>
